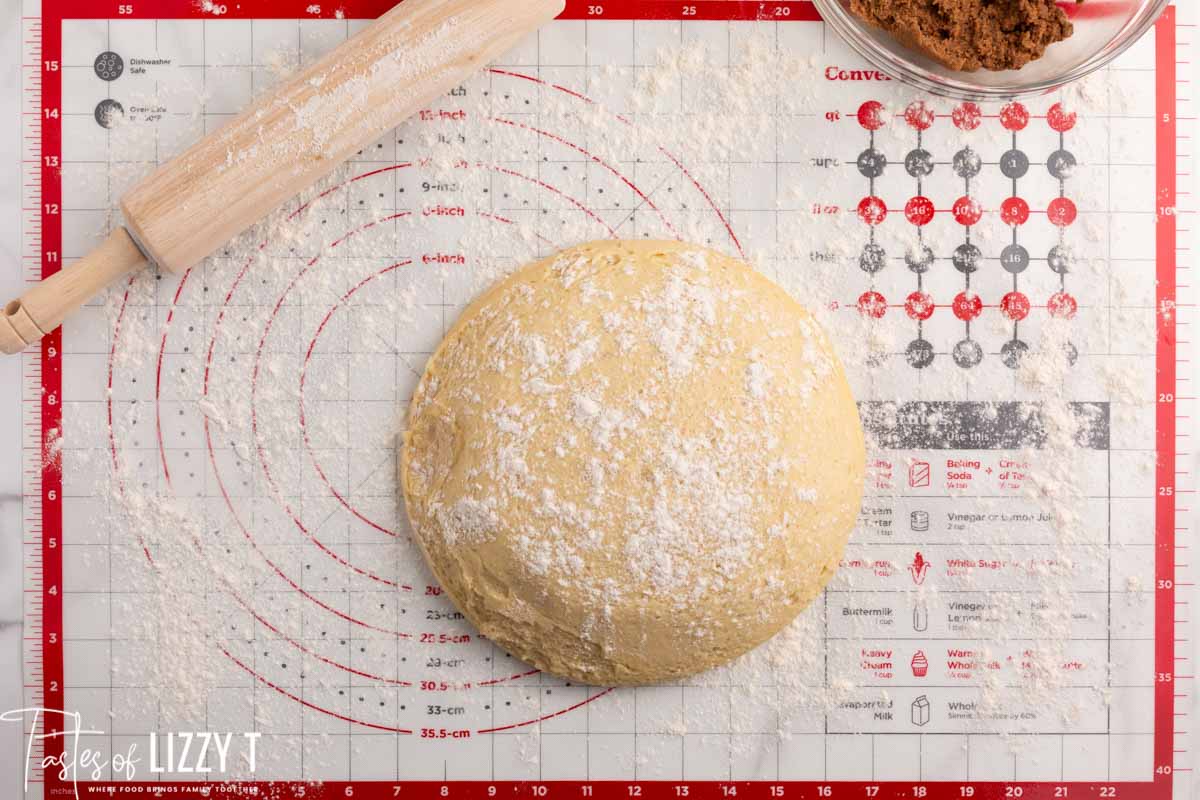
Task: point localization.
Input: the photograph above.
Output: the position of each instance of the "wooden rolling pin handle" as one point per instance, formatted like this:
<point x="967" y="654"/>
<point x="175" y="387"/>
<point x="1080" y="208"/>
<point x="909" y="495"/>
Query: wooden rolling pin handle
<point x="44" y="307"/>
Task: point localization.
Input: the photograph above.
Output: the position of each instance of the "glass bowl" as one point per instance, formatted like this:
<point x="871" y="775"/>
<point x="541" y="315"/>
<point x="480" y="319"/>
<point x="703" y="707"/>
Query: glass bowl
<point x="1103" y="30"/>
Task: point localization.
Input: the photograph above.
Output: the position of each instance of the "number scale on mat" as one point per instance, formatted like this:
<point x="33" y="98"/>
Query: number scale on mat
<point x="963" y="650"/>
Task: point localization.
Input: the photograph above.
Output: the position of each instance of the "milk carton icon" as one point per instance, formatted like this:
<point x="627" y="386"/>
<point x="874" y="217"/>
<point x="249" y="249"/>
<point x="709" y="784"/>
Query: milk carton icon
<point x="920" y="711"/>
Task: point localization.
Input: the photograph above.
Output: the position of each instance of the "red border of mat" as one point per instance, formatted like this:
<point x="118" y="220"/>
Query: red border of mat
<point x="54" y="11"/>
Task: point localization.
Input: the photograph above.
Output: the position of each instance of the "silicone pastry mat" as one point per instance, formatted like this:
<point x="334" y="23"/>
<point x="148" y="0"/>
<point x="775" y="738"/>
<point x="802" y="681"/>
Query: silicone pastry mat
<point x="357" y="675"/>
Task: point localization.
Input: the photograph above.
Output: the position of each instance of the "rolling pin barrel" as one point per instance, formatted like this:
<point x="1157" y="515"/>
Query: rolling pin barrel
<point x="285" y="141"/>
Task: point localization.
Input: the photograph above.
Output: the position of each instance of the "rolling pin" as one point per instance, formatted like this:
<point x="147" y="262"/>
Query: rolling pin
<point x="285" y="141"/>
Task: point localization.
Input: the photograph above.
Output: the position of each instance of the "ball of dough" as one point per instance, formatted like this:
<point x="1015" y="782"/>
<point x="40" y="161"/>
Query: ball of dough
<point x="633" y="461"/>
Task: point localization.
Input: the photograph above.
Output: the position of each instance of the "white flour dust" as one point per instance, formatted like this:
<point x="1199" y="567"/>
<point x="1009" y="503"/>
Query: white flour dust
<point x="221" y="566"/>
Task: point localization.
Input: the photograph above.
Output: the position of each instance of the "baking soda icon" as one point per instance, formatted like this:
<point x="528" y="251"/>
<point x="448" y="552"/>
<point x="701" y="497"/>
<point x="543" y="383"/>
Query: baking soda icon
<point x="920" y="711"/>
<point x="920" y="664"/>
<point x="918" y="474"/>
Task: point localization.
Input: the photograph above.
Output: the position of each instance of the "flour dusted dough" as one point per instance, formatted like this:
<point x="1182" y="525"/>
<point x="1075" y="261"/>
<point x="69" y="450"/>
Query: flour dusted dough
<point x="632" y="461"/>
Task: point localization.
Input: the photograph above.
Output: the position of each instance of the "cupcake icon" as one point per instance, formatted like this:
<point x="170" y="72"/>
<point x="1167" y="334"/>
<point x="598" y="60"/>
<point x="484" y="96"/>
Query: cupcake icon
<point x="920" y="664"/>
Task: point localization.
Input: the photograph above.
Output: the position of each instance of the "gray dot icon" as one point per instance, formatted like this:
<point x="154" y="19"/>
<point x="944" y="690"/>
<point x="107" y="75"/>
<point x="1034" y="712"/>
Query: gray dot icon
<point x="872" y="258"/>
<point x="967" y="163"/>
<point x="1014" y="258"/>
<point x="1059" y="258"/>
<point x="1061" y="164"/>
<point x="919" y="353"/>
<point x="1014" y="164"/>
<point x="871" y="163"/>
<point x="918" y="163"/>
<point x="108" y="66"/>
<point x="967" y="353"/>
<point x="108" y="112"/>
<point x="966" y="258"/>
<point x="1012" y="351"/>
<point x="919" y="260"/>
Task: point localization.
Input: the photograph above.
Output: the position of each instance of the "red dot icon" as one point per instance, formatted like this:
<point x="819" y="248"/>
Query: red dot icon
<point x="919" y="115"/>
<point x="967" y="210"/>
<point x="1060" y="119"/>
<point x="1062" y="305"/>
<point x="1014" y="211"/>
<point x="1014" y="116"/>
<point x="919" y="305"/>
<point x="1015" y="306"/>
<point x="967" y="306"/>
<point x="872" y="304"/>
<point x="966" y="116"/>
<point x="1061" y="211"/>
<point x="870" y="115"/>
<point x="919" y="210"/>
<point x="872" y="210"/>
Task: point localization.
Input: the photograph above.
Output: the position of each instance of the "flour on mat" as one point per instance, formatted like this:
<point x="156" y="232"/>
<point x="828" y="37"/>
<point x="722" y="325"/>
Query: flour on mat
<point x="206" y="568"/>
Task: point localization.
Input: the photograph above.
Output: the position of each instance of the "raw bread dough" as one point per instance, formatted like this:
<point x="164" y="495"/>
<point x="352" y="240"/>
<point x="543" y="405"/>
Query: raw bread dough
<point x="632" y="461"/>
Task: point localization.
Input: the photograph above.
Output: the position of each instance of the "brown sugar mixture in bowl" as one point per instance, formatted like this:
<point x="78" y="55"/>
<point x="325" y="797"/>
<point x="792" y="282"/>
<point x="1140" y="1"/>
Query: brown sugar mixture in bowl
<point x="968" y="35"/>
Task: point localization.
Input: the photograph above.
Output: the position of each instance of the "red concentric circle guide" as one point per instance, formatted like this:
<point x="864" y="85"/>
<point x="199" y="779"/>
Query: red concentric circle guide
<point x="213" y="365"/>
<point x="249" y="668"/>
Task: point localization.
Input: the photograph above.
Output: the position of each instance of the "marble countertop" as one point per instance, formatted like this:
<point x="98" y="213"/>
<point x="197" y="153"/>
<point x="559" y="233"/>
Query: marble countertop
<point x="11" y="749"/>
